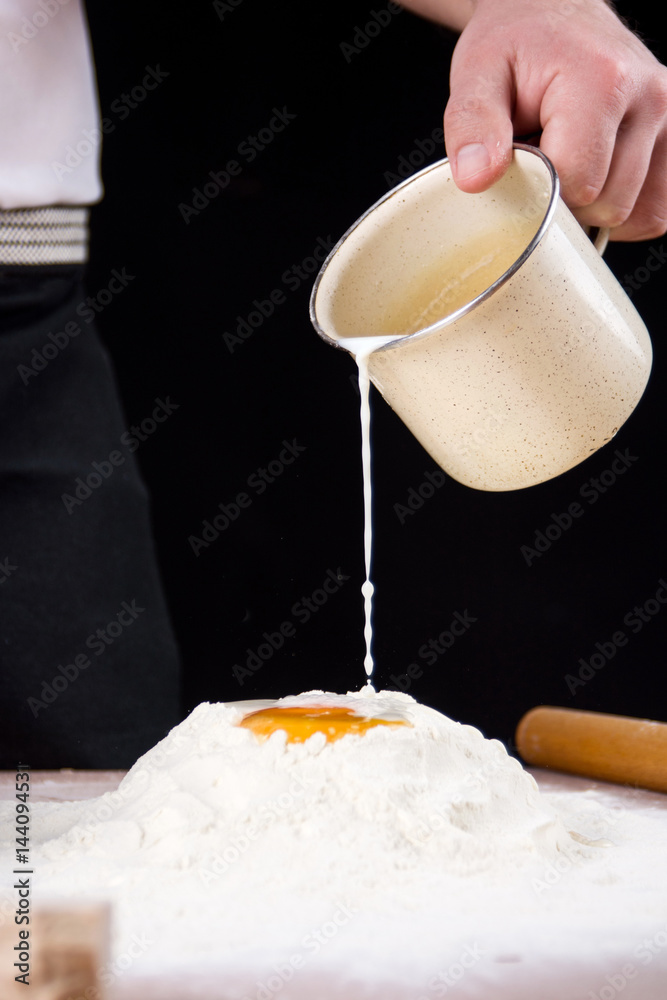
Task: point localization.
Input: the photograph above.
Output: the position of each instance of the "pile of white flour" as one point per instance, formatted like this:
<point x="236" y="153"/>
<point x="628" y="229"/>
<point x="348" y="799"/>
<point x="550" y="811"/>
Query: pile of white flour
<point x="396" y="804"/>
<point x="221" y="850"/>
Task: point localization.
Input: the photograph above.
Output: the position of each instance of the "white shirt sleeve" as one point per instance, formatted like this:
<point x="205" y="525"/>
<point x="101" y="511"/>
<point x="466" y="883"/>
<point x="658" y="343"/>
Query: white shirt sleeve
<point x="50" y="137"/>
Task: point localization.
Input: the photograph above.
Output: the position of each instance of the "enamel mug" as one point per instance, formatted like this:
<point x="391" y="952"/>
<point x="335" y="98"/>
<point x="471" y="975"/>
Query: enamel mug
<point x="513" y="353"/>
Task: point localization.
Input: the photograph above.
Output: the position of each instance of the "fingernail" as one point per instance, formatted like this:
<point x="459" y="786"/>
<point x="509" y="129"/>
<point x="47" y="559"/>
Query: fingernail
<point x="471" y="160"/>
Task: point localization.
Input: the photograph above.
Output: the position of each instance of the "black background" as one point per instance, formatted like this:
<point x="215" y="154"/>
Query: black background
<point x="461" y="551"/>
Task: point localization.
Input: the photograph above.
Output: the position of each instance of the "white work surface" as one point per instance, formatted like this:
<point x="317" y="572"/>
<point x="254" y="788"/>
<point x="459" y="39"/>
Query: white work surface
<point x="593" y="931"/>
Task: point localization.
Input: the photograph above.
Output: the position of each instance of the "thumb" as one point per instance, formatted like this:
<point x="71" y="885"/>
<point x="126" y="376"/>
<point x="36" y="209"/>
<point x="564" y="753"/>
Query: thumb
<point x="478" y="116"/>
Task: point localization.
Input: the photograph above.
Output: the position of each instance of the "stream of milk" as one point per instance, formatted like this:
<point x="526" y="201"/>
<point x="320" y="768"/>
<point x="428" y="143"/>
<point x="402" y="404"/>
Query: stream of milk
<point x="361" y="348"/>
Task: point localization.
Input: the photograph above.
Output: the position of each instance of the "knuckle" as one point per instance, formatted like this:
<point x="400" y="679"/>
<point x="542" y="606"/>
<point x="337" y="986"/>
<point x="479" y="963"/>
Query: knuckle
<point x="651" y="224"/>
<point x="578" y="193"/>
<point x="613" y="215"/>
<point x="584" y="173"/>
<point x="615" y="82"/>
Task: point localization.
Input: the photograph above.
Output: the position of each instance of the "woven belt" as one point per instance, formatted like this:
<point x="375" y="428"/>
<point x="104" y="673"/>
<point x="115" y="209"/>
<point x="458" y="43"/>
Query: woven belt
<point x="44" y="236"/>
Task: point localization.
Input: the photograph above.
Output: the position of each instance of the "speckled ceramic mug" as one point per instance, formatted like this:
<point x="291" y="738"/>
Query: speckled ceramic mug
<point x="517" y="353"/>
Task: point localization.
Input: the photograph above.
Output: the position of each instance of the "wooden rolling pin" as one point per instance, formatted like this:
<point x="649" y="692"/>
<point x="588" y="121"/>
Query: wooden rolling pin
<point x="609" y="747"/>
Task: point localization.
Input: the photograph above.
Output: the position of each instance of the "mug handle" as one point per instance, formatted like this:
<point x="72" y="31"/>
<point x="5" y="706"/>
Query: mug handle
<point x="599" y="237"/>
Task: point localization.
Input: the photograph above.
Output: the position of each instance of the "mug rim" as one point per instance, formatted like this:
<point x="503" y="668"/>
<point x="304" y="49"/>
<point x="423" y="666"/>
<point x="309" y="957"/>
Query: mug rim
<point x="469" y="306"/>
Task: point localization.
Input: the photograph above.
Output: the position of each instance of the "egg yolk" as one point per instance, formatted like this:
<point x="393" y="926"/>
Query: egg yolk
<point x="300" y="722"/>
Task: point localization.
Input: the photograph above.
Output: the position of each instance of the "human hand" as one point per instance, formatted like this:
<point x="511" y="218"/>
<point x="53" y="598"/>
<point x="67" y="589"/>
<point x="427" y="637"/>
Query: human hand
<point x="571" y="69"/>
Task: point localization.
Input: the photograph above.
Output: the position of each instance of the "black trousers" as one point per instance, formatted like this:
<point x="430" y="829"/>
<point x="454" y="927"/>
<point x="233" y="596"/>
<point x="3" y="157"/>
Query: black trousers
<point x="89" y="671"/>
